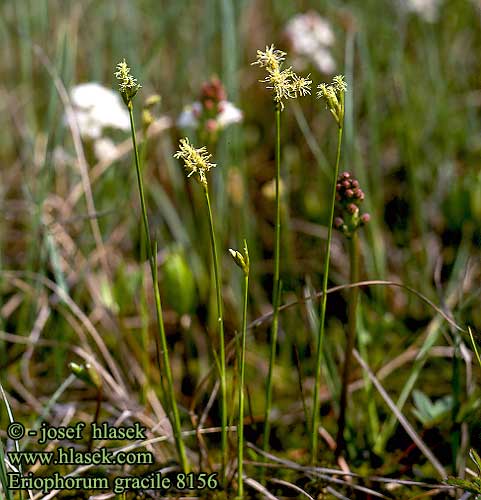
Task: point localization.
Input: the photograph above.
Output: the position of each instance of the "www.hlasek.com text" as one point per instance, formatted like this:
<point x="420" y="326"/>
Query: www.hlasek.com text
<point x="71" y="456"/>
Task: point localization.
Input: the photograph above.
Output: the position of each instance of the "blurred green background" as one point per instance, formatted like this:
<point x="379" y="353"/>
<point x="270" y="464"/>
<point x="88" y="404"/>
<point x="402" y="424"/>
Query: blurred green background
<point x="412" y="137"/>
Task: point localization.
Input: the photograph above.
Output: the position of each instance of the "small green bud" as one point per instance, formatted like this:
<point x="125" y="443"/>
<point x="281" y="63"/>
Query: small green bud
<point x="87" y="373"/>
<point x="241" y="260"/>
<point x="238" y="258"/>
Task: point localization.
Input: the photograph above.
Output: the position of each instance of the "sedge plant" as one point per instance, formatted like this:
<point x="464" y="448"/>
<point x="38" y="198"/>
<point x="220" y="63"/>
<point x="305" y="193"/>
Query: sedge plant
<point x="285" y="84"/>
<point x="147" y="120"/>
<point x="242" y="260"/>
<point x="197" y="162"/>
<point x="333" y="95"/>
<point x="349" y="196"/>
<point x="128" y="88"/>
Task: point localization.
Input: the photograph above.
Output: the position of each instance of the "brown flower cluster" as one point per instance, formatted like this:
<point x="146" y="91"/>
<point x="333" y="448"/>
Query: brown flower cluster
<point x="349" y="197"/>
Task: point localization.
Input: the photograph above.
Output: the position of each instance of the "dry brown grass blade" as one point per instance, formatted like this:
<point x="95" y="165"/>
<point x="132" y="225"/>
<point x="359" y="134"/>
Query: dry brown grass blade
<point x="75" y="309"/>
<point x="258" y="487"/>
<point x="332" y="491"/>
<point x="43" y="315"/>
<point x="291" y="486"/>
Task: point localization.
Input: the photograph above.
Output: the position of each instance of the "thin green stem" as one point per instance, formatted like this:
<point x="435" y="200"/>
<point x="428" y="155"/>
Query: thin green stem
<point x="144" y="314"/>
<point x="276" y="288"/>
<point x="220" y="321"/>
<point x="351" y="336"/>
<point x="240" y="425"/>
<point x="475" y="347"/>
<point x="320" y="338"/>
<point x="140" y="182"/>
<point x="175" y="418"/>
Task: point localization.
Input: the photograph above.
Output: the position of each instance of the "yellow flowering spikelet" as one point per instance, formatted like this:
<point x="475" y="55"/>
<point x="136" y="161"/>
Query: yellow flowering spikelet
<point x="284" y="83"/>
<point x="128" y="85"/>
<point x="196" y="161"/>
<point x="333" y="94"/>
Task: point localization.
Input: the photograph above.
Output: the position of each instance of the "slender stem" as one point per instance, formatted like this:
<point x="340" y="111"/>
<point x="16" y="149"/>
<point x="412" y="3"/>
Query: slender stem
<point x="320" y="338"/>
<point x="240" y="425"/>
<point x="139" y="181"/>
<point x="144" y="315"/>
<point x="475" y="348"/>
<point x="275" y="291"/>
<point x="175" y="418"/>
<point x="220" y="322"/>
<point x="351" y="336"/>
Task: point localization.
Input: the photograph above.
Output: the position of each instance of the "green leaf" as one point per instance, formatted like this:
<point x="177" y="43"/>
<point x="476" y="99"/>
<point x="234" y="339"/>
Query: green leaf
<point x="178" y="282"/>
<point x="476" y="459"/>
<point x="424" y="406"/>
<point x="463" y="484"/>
<point x="3" y="474"/>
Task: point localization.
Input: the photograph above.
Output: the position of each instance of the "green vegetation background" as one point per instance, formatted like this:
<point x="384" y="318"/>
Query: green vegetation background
<point x="412" y="138"/>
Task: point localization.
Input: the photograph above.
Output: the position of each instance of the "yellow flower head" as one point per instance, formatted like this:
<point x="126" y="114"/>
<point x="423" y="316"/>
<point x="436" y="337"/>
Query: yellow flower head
<point x="281" y="84"/>
<point x="196" y="161"/>
<point x="271" y="59"/>
<point x="333" y="94"/>
<point x="339" y="83"/>
<point x="284" y="83"/>
<point x="301" y="86"/>
<point x="128" y="85"/>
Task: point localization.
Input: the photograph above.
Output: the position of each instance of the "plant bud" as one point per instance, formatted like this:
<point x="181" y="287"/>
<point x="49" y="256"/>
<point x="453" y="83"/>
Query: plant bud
<point x="365" y="218"/>
<point x="241" y="260"/>
<point x="351" y="208"/>
<point x="87" y="373"/>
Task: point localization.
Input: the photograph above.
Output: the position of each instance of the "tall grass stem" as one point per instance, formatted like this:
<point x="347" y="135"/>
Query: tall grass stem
<point x="240" y="425"/>
<point x="276" y="288"/>
<point x="220" y="321"/>
<point x="320" y="338"/>
<point x="175" y="418"/>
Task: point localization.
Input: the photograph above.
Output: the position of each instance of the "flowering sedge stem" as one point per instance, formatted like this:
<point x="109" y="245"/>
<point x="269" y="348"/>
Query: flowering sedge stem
<point x="220" y="321"/>
<point x="175" y="419"/>
<point x="144" y="314"/>
<point x="320" y="338"/>
<point x="276" y="288"/>
<point x="240" y="425"/>
<point x="351" y="336"/>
